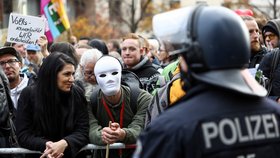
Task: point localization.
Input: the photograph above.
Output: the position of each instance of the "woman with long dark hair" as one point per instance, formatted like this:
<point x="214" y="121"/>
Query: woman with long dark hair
<point x="52" y="114"/>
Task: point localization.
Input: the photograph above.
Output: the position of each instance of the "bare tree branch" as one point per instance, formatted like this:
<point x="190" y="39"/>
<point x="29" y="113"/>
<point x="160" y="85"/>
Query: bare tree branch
<point x="132" y="17"/>
<point x="143" y="11"/>
<point x="118" y="16"/>
<point x="264" y="13"/>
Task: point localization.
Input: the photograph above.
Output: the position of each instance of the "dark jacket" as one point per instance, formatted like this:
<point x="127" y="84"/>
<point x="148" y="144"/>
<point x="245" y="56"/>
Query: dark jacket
<point x="6" y="113"/>
<point x="5" y="103"/>
<point x="266" y="66"/>
<point x="147" y="73"/>
<point x="257" y="57"/>
<point x="30" y="134"/>
<point x="214" y="123"/>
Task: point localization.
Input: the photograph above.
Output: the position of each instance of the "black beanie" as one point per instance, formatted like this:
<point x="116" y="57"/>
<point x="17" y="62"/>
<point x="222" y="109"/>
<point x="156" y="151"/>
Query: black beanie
<point x="270" y="27"/>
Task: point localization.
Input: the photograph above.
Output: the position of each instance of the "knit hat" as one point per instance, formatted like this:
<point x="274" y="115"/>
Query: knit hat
<point x="10" y="50"/>
<point x="270" y="27"/>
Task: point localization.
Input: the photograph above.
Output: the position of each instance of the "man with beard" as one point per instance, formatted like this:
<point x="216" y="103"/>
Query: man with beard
<point x="257" y="51"/>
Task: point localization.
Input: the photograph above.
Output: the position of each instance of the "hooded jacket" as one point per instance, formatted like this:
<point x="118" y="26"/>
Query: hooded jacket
<point x="273" y="26"/>
<point x="147" y="73"/>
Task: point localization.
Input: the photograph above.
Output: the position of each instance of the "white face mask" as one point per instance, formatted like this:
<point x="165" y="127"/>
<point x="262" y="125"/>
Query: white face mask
<point x="107" y="71"/>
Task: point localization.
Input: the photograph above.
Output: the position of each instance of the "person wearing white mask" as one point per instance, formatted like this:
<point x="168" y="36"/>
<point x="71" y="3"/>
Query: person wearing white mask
<point x="113" y="104"/>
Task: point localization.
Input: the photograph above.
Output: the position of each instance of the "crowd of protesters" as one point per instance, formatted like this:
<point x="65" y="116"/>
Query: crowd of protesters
<point x="60" y="98"/>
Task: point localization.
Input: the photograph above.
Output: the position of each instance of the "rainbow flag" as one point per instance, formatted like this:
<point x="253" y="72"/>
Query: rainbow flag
<point x="57" y="19"/>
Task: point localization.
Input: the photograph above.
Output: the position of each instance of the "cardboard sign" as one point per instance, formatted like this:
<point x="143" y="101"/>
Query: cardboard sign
<point x="25" y="29"/>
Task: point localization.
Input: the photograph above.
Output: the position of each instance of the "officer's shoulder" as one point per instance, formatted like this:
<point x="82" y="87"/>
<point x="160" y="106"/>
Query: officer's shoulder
<point x="172" y="119"/>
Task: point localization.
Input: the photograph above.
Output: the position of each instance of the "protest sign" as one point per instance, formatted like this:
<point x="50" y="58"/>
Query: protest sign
<point x="25" y="29"/>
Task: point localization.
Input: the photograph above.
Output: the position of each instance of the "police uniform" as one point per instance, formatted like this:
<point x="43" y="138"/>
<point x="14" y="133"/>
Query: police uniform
<point x="214" y="123"/>
<point x="225" y="113"/>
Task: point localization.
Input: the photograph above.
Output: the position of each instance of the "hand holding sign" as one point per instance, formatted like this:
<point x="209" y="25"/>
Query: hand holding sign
<point x="25" y="29"/>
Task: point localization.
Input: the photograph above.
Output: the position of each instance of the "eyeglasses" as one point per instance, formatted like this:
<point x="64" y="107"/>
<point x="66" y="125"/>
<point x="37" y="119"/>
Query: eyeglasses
<point x="88" y="73"/>
<point x="270" y="36"/>
<point x="11" y="62"/>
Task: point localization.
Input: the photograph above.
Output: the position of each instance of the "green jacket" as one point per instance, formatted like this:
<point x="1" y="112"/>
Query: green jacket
<point x="133" y="123"/>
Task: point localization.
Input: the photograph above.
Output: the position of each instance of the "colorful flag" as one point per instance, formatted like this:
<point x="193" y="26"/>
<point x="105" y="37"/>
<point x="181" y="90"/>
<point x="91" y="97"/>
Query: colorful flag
<point x="57" y="19"/>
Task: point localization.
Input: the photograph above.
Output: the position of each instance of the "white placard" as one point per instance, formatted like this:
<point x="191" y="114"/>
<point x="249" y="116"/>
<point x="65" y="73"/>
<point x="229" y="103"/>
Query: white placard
<point x="25" y="29"/>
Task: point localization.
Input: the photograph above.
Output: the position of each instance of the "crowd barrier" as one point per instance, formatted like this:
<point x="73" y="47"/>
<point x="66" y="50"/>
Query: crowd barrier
<point x="87" y="147"/>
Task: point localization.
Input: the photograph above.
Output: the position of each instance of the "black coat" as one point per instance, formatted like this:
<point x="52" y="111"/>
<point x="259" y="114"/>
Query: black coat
<point x="7" y="132"/>
<point x="30" y="137"/>
<point x="257" y="57"/>
<point x="147" y="74"/>
<point x="214" y="123"/>
<point x="6" y="104"/>
<point x="266" y="66"/>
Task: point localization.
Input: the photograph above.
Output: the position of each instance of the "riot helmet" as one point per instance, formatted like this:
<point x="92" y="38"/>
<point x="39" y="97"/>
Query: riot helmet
<point x="214" y="41"/>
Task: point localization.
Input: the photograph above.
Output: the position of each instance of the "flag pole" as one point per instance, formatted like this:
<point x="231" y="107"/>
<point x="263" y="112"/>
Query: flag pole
<point x="69" y="34"/>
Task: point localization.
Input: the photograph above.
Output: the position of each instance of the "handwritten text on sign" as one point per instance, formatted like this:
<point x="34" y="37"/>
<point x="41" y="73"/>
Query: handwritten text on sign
<point x="25" y="29"/>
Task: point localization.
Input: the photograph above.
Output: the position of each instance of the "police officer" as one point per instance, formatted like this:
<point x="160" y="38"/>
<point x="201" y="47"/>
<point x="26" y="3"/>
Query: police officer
<point x="225" y="112"/>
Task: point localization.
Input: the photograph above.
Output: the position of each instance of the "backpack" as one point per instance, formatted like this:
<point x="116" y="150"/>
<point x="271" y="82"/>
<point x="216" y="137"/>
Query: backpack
<point x="128" y="79"/>
<point x="263" y="80"/>
<point x="160" y="101"/>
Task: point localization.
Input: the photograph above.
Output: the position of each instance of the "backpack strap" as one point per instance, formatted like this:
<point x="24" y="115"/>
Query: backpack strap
<point x="275" y="60"/>
<point x="170" y="75"/>
<point x="132" y="81"/>
<point x="134" y="93"/>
